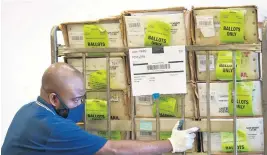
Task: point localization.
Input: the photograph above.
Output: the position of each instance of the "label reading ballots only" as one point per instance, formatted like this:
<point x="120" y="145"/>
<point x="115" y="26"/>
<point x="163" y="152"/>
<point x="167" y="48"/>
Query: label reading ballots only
<point x="158" y="70"/>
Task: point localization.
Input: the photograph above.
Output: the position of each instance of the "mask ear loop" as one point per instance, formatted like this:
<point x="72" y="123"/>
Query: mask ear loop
<point x="63" y="110"/>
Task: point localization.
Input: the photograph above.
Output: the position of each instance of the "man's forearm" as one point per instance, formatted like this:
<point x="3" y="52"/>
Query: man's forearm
<point x="128" y="147"/>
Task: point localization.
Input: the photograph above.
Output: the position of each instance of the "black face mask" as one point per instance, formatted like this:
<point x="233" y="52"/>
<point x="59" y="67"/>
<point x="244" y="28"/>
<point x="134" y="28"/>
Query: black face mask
<point x="63" y="110"/>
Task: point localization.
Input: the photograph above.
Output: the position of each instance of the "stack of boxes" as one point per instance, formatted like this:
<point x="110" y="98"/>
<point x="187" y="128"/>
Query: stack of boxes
<point x="104" y="33"/>
<point x="161" y="27"/>
<point x="225" y="25"/>
<point x="170" y="27"/>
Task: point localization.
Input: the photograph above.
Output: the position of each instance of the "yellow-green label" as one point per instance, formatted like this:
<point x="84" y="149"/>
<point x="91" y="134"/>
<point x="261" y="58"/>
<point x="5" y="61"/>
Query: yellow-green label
<point x="157" y="33"/>
<point x="98" y="79"/>
<point x="232" y="26"/>
<point x="164" y="135"/>
<point x="224" y="65"/>
<point x="167" y="107"/>
<point x="95" y="36"/>
<point x="96" y="109"/>
<point x="115" y="135"/>
<point x="227" y="141"/>
<point x="244" y="100"/>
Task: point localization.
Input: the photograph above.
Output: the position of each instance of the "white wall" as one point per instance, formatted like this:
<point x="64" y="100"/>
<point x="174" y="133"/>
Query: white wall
<point x="25" y="37"/>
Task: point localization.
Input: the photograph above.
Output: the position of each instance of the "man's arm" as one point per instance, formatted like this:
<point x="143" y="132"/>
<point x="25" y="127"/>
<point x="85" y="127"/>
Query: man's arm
<point x="180" y="141"/>
<point x="128" y="147"/>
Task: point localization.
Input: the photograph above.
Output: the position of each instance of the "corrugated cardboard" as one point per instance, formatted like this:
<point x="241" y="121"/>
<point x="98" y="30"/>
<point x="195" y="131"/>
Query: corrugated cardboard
<point x="119" y="100"/>
<point x="249" y="67"/>
<point x="253" y="128"/>
<point x="113" y="25"/>
<point x="146" y="135"/>
<point x="177" y="16"/>
<point x="117" y="70"/>
<point x="144" y="104"/>
<point x="251" y="26"/>
<point x="219" y="99"/>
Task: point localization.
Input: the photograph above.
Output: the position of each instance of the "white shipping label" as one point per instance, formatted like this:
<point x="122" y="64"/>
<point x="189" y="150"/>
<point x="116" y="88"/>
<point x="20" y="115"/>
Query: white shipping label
<point x="76" y="37"/>
<point x="158" y="70"/>
<point x="208" y="32"/>
<point x="206" y="25"/>
<point x="218" y="99"/>
<point x="144" y="100"/>
<point x="135" y="26"/>
<point x="202" y="63"/>
<point x="205" y="22"/>
<point x="114" y="97"/>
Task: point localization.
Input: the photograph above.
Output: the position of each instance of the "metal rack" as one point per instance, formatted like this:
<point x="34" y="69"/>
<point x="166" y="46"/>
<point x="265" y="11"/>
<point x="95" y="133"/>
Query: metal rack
<point x="160" y="124"/>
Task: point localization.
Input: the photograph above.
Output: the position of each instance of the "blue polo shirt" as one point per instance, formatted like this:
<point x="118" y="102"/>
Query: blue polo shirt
<point x="36" y="131"/>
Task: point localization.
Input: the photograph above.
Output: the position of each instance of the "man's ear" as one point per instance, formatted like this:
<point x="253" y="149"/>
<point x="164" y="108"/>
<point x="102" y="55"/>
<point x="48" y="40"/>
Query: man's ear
<point x="53" y="99"/>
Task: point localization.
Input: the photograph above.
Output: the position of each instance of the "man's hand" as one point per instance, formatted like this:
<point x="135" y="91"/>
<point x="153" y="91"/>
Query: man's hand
<point x="182" y="140"/>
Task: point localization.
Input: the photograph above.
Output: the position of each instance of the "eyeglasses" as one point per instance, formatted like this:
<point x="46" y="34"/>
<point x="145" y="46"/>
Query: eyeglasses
<point x="78" y="100"/>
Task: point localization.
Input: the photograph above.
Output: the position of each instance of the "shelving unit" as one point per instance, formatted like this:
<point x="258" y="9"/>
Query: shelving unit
<point x="166" y="124"/>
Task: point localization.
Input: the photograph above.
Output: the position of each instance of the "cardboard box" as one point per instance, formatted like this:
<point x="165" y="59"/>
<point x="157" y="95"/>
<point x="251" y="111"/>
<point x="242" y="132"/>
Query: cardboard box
<point x="206" y="25"/>
<point x="249" y="101"/>
<point x="170" y="105"/>
<point x="250" y="134"/>
<point x="143" y="126"/>
<point x="165" y="27"/>
<point x="249" y="65"/>
<point x="96" y="34"/>
<point x="119" y="100"/>
<point x="96" y="72"/>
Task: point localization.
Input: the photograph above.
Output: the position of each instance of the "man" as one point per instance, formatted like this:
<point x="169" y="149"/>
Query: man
<point x="40" y="127"/>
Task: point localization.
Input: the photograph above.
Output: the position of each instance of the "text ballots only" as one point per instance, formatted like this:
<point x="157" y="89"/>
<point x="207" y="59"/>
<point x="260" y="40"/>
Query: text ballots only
<point x="158" y="70"/>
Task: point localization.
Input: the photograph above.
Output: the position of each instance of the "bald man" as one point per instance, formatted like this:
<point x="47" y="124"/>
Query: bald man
<point x="41" y="127"/>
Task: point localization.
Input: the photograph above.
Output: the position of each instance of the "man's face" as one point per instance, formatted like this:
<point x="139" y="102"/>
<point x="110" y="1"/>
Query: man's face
<point x="74" y="93"/>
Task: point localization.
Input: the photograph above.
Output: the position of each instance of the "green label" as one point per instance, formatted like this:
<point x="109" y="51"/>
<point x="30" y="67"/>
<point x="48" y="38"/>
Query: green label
<point x="115" y="135"/>
<point x="244" y="99"/>
<point x="224" y="65"/>
<point x="157" y="33"/>
<point x="227" y="141"/>
<point x="167" y="107"/>
<point x="164" y="135"/>
<point x="96" y="109"/>
<point x="98" y="79"/>
<point x="232" y="26"/>
<point x="95" y="36"/>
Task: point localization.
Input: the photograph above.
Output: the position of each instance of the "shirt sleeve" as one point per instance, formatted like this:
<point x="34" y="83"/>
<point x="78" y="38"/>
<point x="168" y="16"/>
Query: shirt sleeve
<point x="69" y="139"/>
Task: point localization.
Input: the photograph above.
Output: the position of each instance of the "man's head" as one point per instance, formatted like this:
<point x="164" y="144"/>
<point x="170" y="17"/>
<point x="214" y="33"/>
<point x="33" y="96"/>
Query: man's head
<point x="62" y="83"/>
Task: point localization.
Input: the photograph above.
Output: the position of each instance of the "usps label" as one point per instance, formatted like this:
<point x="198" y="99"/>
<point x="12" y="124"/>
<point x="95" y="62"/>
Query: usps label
<point x="158" y="70"/>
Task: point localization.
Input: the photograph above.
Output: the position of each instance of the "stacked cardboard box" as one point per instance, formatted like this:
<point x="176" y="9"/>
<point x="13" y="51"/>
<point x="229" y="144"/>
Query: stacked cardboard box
<point x="160" y="27"/>
<point x="227" y="25"/>
<point x="103" y="33"/>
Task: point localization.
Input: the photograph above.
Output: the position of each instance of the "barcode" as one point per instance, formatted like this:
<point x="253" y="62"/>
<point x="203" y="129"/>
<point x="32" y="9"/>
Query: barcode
<point x="204" y="23"/>
<point x="134" y="25"/>
<point x="77" y="37"/>
<point x="144" y="98"/>
<point x="145" y="133"/>
<point x="203" y="62"/>
<point x="161" y="66"/>
<point x="223" y="110"/>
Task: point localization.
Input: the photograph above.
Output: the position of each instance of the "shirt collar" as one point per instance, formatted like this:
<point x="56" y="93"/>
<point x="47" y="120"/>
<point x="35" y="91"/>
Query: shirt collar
<point x="42" y="101"/>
